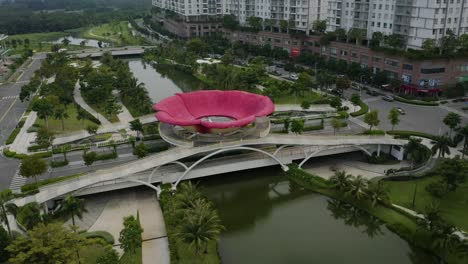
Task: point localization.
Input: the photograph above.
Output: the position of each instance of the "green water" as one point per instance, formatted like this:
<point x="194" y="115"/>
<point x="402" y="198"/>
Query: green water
<point x="163" y="80"/>
<point x="271" y="220"/>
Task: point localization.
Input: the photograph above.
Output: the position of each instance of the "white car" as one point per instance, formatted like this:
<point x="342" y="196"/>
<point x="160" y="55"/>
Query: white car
<point x="293" y="76"/>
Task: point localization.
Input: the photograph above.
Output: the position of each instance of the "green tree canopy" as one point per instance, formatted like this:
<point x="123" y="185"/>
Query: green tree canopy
<point x="394" y="117"/>
<point x="130" y="236"/>
<point x="372" y="119"/>
<point x="31" y="166"/>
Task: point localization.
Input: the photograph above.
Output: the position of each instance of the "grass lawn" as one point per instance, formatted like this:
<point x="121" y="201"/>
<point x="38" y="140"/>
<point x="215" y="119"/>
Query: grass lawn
<point x="36" y="41"/>
<point x="453" y="206"/>
<point x="293" y="99"/>
<point x="112" y="32"/>
<point x="71" y="123"/>
<point x="128" y="258"/>
<point x="100" y="109"/>
<point x="187" y="254"/>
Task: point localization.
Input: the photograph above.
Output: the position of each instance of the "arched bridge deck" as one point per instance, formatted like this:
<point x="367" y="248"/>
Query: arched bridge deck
<point x="59" y="189"/>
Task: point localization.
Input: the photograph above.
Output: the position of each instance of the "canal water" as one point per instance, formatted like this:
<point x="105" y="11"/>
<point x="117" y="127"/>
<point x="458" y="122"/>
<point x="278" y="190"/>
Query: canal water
<point x="77" y="41"/>
<point x="269" y="219"/>
<point x="162" y="81"/>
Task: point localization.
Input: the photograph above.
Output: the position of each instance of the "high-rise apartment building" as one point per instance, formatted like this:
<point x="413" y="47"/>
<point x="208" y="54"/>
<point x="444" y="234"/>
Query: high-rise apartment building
<point x="416" y="20"/>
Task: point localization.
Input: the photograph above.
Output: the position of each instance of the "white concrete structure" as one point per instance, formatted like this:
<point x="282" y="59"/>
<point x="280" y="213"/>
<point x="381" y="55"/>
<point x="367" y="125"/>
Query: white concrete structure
<point x="315" y="144"/>
<point x="417" y="20"/>
<point x="191" y="8"/>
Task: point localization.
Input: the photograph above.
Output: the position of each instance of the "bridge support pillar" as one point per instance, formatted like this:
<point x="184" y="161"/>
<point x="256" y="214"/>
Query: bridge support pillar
<point x="378" y="150"/>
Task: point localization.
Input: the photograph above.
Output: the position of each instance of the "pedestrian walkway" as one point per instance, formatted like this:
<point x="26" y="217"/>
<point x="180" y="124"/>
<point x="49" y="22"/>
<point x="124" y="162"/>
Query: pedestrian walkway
<point x="17" y="182"/>
<point x="155" y="247"/>
<point x="81" y="102"/>
<point x="451" y="109"/>
<point x="124" y="116"/>
<point x="23" y="139"/>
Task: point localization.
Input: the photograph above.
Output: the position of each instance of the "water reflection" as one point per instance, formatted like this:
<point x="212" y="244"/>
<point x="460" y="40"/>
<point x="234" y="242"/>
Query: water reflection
<point x="271" y="220"/>
<point x="77" y="41"/>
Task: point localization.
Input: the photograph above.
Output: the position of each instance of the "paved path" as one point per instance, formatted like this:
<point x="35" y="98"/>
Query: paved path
<point x="297" y="107"/>
<point x="451" y="109"/>
<point x="129" y="202"/>
<point x="124" y="116"/>
<point x="80" y="101"/>
<point x="23" y="139"/>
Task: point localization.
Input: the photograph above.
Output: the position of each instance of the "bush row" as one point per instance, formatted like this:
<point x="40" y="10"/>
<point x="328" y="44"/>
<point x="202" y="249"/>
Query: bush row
<point x="33" y="187"/>
<point x="314" y="127"/>
<point x="12" y="154"/>
<point x="106" y="236"/>
<point x="58" y="163"/>
<point x="12" y="136"/>
<point x="35" y="148"/>
<point x="415" y="102"/>
<point x="407" y="134"/>
<point x="364" y="109"/>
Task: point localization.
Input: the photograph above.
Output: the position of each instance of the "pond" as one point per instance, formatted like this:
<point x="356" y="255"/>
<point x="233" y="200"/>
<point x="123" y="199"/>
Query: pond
<point x="162" y="81"/>
<point x="76" y="41"/>
<point x="269" y="219"/>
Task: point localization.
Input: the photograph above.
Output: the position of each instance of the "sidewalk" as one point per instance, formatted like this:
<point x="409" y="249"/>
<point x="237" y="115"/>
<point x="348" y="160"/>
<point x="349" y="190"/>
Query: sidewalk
<point x="23" y="139"/>
<point x="81" y="102"/>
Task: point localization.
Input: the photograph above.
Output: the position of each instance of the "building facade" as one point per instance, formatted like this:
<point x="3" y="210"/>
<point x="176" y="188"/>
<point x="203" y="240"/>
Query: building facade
<point x="422" y="74"/>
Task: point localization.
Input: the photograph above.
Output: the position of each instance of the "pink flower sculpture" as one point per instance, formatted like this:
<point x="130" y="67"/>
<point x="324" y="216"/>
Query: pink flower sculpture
<point x="193" y="109"/>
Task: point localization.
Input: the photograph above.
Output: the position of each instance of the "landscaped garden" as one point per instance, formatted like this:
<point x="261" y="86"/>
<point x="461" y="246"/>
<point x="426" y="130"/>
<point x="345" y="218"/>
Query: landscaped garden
<point x="115" y="32"/>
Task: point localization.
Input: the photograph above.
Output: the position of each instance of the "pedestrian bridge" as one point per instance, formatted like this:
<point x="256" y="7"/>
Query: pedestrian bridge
<point x="125" y="51"/>
<point x="270" y="146"/>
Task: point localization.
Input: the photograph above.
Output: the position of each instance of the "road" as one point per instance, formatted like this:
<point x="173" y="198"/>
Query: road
<point x="11" y="110"/>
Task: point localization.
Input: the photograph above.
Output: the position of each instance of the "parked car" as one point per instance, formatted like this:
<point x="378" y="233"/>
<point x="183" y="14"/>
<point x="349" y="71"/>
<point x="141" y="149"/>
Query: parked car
<point x="372" y="92"/>
<point x="388" y="98"/>
<point x="401" y="110"/>
<point x="293" y="76"/>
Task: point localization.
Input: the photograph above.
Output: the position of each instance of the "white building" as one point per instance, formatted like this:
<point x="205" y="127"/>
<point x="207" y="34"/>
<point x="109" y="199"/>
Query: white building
<point x="191" y="8"/>
<point x="417" y="20"/>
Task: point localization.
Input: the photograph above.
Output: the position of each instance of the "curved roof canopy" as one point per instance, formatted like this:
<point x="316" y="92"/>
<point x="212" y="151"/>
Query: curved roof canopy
<point x="190" y="109"/>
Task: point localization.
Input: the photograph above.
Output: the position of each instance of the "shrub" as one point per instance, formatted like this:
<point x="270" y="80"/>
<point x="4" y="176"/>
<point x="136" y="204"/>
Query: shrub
<point x="436" y="189"/>
<point x="58" y="163"/>
<point x="305" y="104"/>
<point x="374" y="132"/>
<point x="151" y="137"/>
<point x="106" y="236"/>
<point x="12" y="136"/>
<point x="12" y="154"/>
<point x="415" y="102"/>
<point x="30" y="187"/>
<point x="157" y="148"/>
<point x="34" y="148"/>
<point x="364" y="109"/>
<point x="407" y="134"/>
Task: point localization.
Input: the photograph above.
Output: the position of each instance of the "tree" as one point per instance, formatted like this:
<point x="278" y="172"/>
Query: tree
<point x="297" y="126"/>
<point x="31" y="166"/>
<point x="44" y="109"/>
<point x="284" y="25"/>
<point x="110" y="256"/>
<point x="83" y="43"/>
<point x="341" y="180"/>
<point x="201" y="224"/>
<point x="377" y="193"/>
<point x="65" y="42"/>
<point x="92" y="129"/>
<point x="196" y="46"/>
<point x="319" y="26"/>
<point x="463" y="132"/>
<point x="130" y="236"/>
<point x="111" y="107"/>
<point x="358" y="187"/>
<point x="5" y="240"/>
<point x="136" y="125"/>
<point x="377" y="38"/>
<point x="372" y="119"/>
<point x="428" y="45"/>
<point x="340" y="34"/>
<point x="44" y="244"/>
<point x="394" y="40"/>
<point x="343" y="83"/>
<point x="452" y="120"/>
<point x="394" y="117"/>
<point x="286" y="124"/>
<point x="453" y="172"/>
<point x="29" y="215"/>
<point x="305" y="104"/>
<point x="255" y="22"/>
<point x="416" y="150"/>
<point x="99" y="44"/>
<point x="336" y="124"/>
<point x="448" y="43"/>
<point x="441" y="144"/>
<point x="355" y="100"/>
<point x="81" y="114"/>
<point x="336" y="102"/>
<point x="44" y="137"/>
<point x="5" y="196"/>
<point x="89" y="158"/>
<point x="72" y="206"/>
<point x="141" y="150"/>
<point x="60" y="112"/>
<point x="356" y="34"/>
<point x="228" y="57"/>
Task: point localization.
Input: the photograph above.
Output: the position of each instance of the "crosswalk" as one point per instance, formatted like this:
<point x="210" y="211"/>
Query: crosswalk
<point x="17" y="182"/>
<point x="9" y="97"/>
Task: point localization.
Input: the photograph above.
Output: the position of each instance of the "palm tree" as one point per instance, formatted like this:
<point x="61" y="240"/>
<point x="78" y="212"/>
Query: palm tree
<point x="72" y="206"/>
<point x="415" y="149"/>
<point x="341" y="180"/>
<point x="442" y="145"/>
<point x="61" y="113"/>
<point x="377" y="194"/>
<point x="187" y="195"/>
<point x="358" y="187"/>
<point x="201" y="225"/>
<point x="5" y="196"/>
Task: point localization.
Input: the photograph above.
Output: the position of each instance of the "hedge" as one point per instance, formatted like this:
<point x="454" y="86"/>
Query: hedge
<point x="37" y="148"/>
<point x="58" y="163"/>
<point x="12" y="154"/>
<point x="33" y="186"/>
<point x="314" y="127"/>
<point x="12" y="136"/>
<point x="364" y="109"/>
<point x="157" y="148"/>
<point x="106" y="236"/>
<point x="407" y="134"/>
<point x="415" y="102"/>
<point x="89" y="116"/>
<point x="374" y="132"/>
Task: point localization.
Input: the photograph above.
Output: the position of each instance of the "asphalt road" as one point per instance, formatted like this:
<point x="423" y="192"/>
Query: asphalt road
<point x="11" y="110"/>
